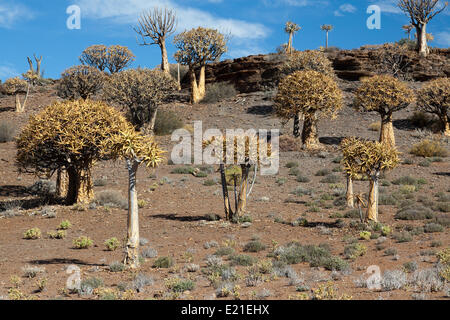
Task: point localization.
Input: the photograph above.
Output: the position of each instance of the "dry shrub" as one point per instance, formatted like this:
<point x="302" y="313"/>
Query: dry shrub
<point x="114" y="58"/>
<point x="429" y="148"/>
<point x="289" y="143"/>
<point x="80" y="82"/>
<point x="219" y="91"/>
<point x="7" y="131"/>
<point x="167" y="122"/>
<point x="375" y="126"/>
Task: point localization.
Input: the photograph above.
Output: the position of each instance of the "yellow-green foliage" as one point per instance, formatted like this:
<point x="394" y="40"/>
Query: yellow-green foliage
<point x="368" y="157"/>
<point x="82" y="242"/>
<point x="198" y="46"/>
<point x="139" y="92"/>
<point x="308" y="92"/>
<point x="112" y="244"/>
<point x="383" y="94"/>
<point x="444" y="259"/>
<point x="14" y="86"/>
<point x="67" y="134"/>
<point x="307" y="60"/>
<point x="328" y="292"/>
<point x="80" y="82"/>
<point x="32" y="234"/>
<point x="365" y="235"/>
<point x="114" y="58"/>
<point x="60" y="234"/>
<point x="434" y="98"/>
<point x="64" y="225"/>
<point x="429" y="148"/>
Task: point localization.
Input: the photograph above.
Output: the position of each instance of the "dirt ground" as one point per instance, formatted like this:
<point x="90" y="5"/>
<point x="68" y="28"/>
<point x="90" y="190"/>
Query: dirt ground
<point x="173" y="218"/>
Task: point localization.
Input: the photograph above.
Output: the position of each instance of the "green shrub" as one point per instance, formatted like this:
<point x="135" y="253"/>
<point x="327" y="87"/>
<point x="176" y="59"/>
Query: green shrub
<point x="111" y="198"/>
<point x="60" y="234"/>
<point x="302" y="179"/>
<point x="117" y="267"/>
<point x="365" y="235"/>
<point x="180" y="285"/>
<point x="163" y="262"/>
<point x="292" y="165"/>
<point x="433" y="227"/>
<point x="183" y="170"/>
<point x="112" y="244"/>
<point x="224" y="251"/>
<point x="414" y="212"/>
<point x="32" y="234"/>
<point x="354" y="250"/>
<point x="403" y="236"/>
<point x="254" y="246"/>
<point x="300" y="191"/>
<point x="242" y="260"/>
<point x="64" y="225"/>
<point x="219" y="91"/>
<point x="167" y="122"/>
<point x="294" y="172"/>
<point x="429" y="148"/>
<point x="82" y="242"/>
<point x="323" y="172"/>
<point x="332" y="178"/>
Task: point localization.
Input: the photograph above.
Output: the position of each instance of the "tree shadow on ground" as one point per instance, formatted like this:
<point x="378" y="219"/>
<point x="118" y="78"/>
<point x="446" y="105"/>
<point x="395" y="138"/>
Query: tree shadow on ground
<point x="442" y="174"/>
<point x="14" y="191"/>
<point x="66" y="261"/>
<point x="5" y="109"/>
<point x="404" y="124"/>
<point x="174" y="217"/>
<point x="331" y="140"/>
<point x="261" y="110"/>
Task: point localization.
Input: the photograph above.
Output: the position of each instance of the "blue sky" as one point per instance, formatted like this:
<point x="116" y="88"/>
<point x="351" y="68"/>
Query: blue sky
<point x="256" y="26"/>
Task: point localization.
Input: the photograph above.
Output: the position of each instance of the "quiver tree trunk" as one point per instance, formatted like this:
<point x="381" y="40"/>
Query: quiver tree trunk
<point x="445" y="123"/>
<point x="387" y="136"/>
<point x="372" y="207"/>
<point x="326" y="43"/>
<point x="226" y="198"/>
<point x="289" y="46"/>
<point x="296" y="131"/>
<point x="310" y="138"/>
<point x="422" y="46"/>
<point x="132" y="248"/>
<point x="18" y="104"/>
<point x="242" y="202"/>
<point x="349" y="193"/>
<point x="80" y="185"/>
<point x="198" y="89"/>
<point x="61" y="183"/>
<point x="165" y="61"/>
<point x="149" y="128"/>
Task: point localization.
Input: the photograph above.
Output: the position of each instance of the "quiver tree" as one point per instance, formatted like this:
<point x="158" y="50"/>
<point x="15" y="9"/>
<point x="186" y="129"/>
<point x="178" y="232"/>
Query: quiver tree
<point x="139" y="92"/>
<point x="157" y="25"/>
<point x="291" y="28"/>
<point x="16" y="87"/>
<point x="305" y="60"/>
<point x="135" y="149"/>
<point x="349" y="148"/>
<point x="383" y="94"/>
<point x="327" y="28"/>
<point x="370" y="158"/>
<point x="114" y="58"/>
<point x="236" y="155"/>
<point x="37" y="73"/>
<point x="434" y="98"/>
<point x="68" y="136"/>
<point x="408" y="28"/>
<point x="80" y="82"/>
<point x="313" y="94"/>
<point x="421" y="12"/>
<point x="196" y="48"/>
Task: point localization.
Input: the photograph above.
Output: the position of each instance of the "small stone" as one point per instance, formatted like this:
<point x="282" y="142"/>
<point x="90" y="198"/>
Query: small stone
<point x="246" y="224"/>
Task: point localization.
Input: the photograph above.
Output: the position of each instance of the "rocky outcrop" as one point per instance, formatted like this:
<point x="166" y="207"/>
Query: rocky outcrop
<point x="260" y="72"/>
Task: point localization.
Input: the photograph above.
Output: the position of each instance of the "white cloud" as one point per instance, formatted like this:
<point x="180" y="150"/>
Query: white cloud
<point x="7" y="71"/>
<point x="443" y="38"/>
<point x="128" y="11"/>
<point x="388" y="6"/>
<point x="345" y="8"/>
<point x="11" y="12"/>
